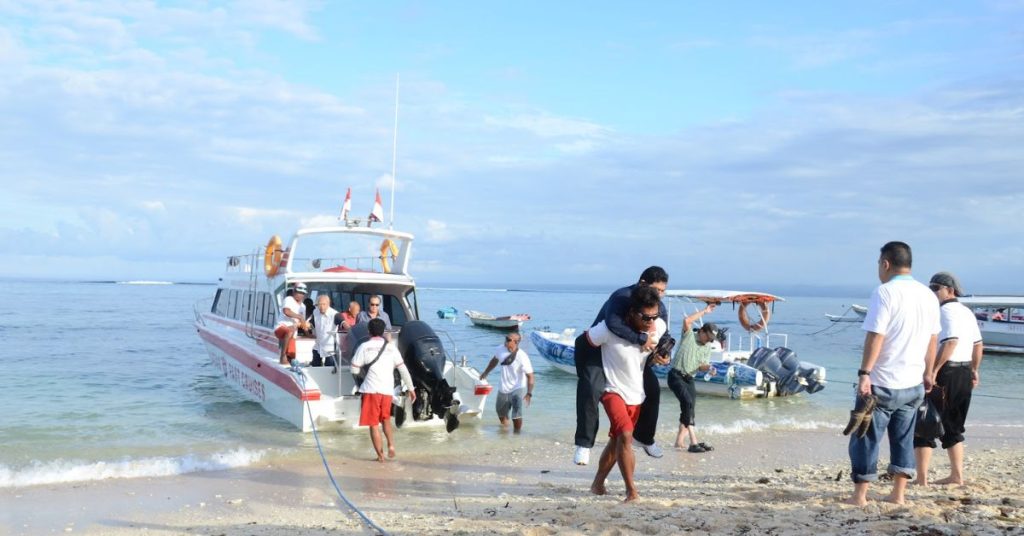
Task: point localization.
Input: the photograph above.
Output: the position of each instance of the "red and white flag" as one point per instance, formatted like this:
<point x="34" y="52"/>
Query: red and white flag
<point x="347" y="206"/>
<point x="377" y="214"/>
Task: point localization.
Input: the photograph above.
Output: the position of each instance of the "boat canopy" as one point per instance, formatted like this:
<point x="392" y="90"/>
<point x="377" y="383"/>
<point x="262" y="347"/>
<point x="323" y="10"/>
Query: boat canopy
<point x="719" y="296"/>
<point x="992" y="301"/>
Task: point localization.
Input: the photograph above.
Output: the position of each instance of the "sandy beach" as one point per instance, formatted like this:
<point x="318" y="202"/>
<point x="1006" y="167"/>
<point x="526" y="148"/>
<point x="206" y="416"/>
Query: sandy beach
<point x="765" y="484"/>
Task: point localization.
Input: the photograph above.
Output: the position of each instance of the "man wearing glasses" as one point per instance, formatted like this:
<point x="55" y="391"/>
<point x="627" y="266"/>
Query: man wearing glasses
<point x="374" y="310"/>
<point x="516" y="389"/>
<point x="901" y="330"/>
<point x="957" y="364"/>
<point x="623" y="363"/>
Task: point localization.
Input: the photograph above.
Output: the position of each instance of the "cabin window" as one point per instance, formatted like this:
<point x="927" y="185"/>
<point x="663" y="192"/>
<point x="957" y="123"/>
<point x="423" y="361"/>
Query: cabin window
<point x="268" y="309"/>
<point x="393" y="307"/>
<point x="410" y="298"/>
<point x="218" y="305"/>
<point x="229" y="310"/>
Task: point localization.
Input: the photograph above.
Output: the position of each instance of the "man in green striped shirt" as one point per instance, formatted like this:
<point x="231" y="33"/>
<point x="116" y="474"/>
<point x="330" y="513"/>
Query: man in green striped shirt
<point x="692" y="354"/>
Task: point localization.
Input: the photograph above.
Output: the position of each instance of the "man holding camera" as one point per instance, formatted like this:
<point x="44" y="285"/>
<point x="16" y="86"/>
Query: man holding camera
<point x="590" y="373"/>
<point x="693" y="354"/>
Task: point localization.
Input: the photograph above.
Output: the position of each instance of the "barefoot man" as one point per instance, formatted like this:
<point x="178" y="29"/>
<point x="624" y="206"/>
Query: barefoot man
<point x="380" y="359"/>
<point x="902" y="326"/>
<point x="624" y="389"/>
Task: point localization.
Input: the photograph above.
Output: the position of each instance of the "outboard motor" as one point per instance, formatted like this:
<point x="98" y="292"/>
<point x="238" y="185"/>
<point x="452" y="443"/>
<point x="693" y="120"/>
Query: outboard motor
<point x="424" y="356"/>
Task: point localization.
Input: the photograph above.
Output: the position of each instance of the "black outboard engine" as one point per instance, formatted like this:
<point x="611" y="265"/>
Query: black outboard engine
<point x="424" y="356"/>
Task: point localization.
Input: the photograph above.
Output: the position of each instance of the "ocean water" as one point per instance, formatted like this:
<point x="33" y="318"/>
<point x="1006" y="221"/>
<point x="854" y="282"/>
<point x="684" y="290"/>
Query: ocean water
<point x="110" y="380"/>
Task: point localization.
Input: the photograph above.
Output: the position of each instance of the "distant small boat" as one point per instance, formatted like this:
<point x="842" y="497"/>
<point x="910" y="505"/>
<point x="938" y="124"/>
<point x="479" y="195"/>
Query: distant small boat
<point x="859" y="312"/>
<point x="447" y="313"/>
<point x="497" y="322"/>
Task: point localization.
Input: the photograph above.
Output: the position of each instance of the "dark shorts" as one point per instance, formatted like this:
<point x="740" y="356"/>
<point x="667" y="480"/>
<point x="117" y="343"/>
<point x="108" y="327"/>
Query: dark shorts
<point x="957" y="383"/>
<point x="685" y="390"/>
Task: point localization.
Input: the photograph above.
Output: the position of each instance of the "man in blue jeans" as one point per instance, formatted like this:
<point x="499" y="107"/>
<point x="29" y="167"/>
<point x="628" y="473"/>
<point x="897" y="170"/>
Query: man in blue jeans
<point x="902" y="326"/>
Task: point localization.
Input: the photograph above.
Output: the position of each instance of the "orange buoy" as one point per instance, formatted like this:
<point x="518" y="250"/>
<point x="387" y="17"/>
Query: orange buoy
<point x="388" y="248"/>
<point x="272" y="256"/>
<point x="761" y="324"/>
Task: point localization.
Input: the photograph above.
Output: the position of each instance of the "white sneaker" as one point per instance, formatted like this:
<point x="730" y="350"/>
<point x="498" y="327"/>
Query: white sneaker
<point x="653" y="450"/>
<point x="582" y="456"/>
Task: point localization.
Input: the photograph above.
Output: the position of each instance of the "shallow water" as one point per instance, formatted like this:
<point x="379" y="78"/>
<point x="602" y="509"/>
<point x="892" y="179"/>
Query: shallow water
<point x="112" y="381"/>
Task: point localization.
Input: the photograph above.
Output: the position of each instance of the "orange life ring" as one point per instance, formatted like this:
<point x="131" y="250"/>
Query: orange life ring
<point x="388" y="248"/>
<point x="745" y="321"/>
<point x="272" y="256"/>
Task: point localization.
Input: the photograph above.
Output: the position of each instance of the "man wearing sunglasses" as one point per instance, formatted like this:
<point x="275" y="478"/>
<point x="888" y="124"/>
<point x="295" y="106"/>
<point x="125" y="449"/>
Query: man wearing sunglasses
<point x="957" y="364"/>
<point x="516" y="389"/>
<point x="901" y="331"/>
<point x="590" y="373"/>
<point x="374" y="309"/>
<point x="623" y="363"/>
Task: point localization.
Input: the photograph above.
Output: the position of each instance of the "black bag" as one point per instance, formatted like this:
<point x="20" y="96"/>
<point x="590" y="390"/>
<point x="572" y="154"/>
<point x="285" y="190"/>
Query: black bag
<point x="929" y="418"/>
<point x="358" y="378"/>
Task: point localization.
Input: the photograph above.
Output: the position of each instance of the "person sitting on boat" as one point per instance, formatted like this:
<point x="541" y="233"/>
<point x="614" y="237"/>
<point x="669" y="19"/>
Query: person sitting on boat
<point x="374" y="310"/>
<point x="294" y="318"/>
<point x="693" y="354"/>
<point x="350" y="316"/>
<point x="623" y="363"/>
<point x="516" y="387"/>
<point x="380" y="359"/>
<point x="590" y="382"/>
<point x="998" y="316"/>
<point x="326" y="322"/>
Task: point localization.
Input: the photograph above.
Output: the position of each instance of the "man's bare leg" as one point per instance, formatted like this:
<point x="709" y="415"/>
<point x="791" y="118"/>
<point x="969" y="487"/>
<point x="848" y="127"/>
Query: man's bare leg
<point x="956" y="466"/>
<point x="375" y="439"/>
<point x="924" y="457"/>
<point x="604" y="466"/>
<point x="627" y="464"/>
<point x="681" y="437"/>
<point x="517" y="425"/>
<point x="899" y="489"/>
<point x="389" y="435"/>
<point x="860" y="494"/>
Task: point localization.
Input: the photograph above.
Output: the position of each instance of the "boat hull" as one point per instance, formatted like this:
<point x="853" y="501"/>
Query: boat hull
<point x="1004" y="337"/>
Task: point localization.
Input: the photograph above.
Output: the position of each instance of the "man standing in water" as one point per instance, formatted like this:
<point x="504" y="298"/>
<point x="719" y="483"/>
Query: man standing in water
<point x="958" y="361"/>
<point x="378" y="385"/>
<point x="590" y="374"/>
<point x="516" y="389"/>
<point x="623" y="364"/>
<point x="901" y="325"/>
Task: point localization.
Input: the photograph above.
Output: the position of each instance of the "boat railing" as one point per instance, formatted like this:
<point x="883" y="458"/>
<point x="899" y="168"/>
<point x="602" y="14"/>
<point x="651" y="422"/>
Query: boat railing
<point x="338" y="264"/>
<point x="449" y="354"/>
<point x="243" y="264"/>
<point x="200" y="307"/>
<point x="753" y="341"/>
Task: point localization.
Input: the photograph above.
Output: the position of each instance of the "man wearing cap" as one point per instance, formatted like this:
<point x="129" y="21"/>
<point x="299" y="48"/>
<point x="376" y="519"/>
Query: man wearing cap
<point x="693" y="354"/>
<point x="957" y="363"/>
<point x="901" y="332"/>
<point x="293" y="313"/>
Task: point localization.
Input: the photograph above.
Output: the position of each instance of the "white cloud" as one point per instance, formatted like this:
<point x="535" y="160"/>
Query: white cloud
<point x="550" y="126"/>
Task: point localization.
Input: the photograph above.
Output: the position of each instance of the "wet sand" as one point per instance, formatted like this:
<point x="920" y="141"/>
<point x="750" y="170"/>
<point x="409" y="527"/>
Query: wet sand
<point x="762" y="483"/>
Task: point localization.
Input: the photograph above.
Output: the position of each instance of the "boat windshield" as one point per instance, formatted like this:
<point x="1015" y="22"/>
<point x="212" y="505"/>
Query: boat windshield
<point x="339" y="252"/>
<point x="399" y="302"/>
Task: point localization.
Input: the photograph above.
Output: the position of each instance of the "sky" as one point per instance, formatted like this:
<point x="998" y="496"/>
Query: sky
<point x="735" y="144"/>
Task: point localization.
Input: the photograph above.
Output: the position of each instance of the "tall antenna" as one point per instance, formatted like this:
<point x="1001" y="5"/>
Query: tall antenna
<point x="394" y="157"/>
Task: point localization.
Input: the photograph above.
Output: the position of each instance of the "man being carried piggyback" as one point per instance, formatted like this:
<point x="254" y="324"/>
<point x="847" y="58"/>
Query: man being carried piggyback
<point x="624" y="389"/>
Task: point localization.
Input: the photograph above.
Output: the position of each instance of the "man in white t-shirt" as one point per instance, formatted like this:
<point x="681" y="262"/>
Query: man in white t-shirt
<point x="293" y="317"/>
<point x="956" y="366"/>
<point x="326" y="321"/>
<point x="901" y="325"/>
<point x="516" y="389"/>
<point x="623" y="364"/>
<point x="382" y="359"/>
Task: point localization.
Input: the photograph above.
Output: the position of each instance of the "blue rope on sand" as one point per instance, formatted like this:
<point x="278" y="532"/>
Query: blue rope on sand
<point x="369" y="522"/>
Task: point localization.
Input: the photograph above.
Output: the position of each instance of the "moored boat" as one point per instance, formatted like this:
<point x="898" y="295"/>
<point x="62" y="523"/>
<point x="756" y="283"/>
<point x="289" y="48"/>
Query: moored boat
<point x="853" y="313"/>
<point x="237" y="327"/>
<point x="511" y="322"/>
<point x="1001" y="321"/>
<point x="447" y="313"/>
<point x="748" y="367"/>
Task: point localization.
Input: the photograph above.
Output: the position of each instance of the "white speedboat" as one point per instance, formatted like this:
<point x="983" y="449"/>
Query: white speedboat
<point x="1001" y="321"/>
<point x="853" y="313"/>
<point x="745" y="367"/>
<point x="347" y="263"/>
<point x="511" y="322"/>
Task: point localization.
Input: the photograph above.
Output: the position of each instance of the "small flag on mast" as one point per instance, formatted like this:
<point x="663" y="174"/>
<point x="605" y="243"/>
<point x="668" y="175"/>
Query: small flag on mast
<point x="347" y="206"/>
<point x="377" y="214"/>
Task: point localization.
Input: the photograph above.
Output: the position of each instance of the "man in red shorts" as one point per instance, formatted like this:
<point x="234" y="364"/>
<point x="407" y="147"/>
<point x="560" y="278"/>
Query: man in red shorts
<point x="293" y="317"/>
<point x="380" y="358"/>
<point x="624" y="389"/>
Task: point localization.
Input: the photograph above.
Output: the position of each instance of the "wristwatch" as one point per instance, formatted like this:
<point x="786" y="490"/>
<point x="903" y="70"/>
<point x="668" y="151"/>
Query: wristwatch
<point x="862" y="372"/>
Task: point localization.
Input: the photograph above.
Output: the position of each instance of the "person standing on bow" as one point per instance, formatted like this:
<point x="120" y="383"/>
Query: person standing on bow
<point x="374" y="310"/>
<point x="590" y="373"/>
<point x="901" y="332"/>
<point x="516" y="389"/>
<point x="377" y="360"/>
<point x="326" y="322"/>
<point x="692" y="355"/>
<point x="958" y="363"/>
<point x="293" y="318"/>
<point x="623" y="363"/>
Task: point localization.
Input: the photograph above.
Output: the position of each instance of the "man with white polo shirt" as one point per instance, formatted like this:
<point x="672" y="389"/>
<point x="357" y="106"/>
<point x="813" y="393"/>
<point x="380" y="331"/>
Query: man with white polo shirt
<point x="901" y="325"/>
<point x="516" y="389"/>
<point x="623" y="363"/>
<point x="957" y="364"/>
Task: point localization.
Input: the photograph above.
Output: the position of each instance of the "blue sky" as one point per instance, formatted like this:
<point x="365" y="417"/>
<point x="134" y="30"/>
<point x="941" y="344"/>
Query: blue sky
<point x="734" y="144"/>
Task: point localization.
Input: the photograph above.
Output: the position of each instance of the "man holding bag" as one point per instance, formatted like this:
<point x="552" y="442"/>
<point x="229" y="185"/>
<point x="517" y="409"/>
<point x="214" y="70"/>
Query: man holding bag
<point x="375" y="362"/>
